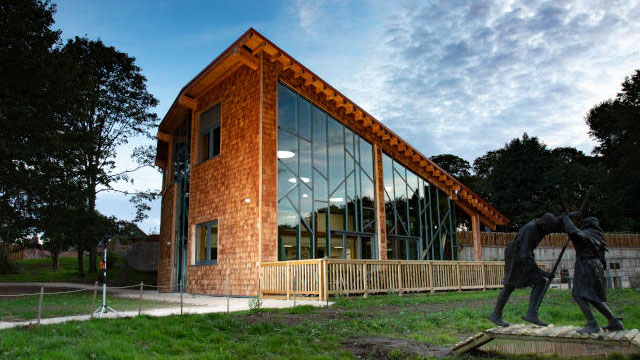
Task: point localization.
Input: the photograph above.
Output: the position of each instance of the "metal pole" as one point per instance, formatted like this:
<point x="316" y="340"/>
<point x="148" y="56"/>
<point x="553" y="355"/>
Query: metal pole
<point x="95" y="293"/>
<point x="40" y="304"/>
<point x="180" y="285"/>
<point x="140" y="300"/>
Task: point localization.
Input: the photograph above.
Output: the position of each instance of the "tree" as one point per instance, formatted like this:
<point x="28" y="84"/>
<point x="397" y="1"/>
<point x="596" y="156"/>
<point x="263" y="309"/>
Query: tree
<point x="454" y="165"/>
<point x="615" y="125"/>
<point x="108" y="104"/>
<point x="28" y="140"/>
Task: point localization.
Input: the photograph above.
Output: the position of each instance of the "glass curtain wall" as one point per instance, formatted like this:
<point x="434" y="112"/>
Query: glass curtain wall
<point x="326" y="201"/>
<point x="181" y="176"/>
<point x="420" y="219"/>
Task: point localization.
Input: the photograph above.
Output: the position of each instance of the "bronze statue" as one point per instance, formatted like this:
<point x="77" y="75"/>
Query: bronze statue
<point x="521" y="270"/>
<point x="589" y="281"/>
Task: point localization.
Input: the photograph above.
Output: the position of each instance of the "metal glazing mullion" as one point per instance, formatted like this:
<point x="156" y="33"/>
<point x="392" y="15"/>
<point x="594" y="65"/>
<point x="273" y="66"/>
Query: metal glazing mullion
<point x="420" y="257"/>
<point x="451" y="230"/>
<point x="299" y="180"/>
<point x="439" y="223"/>
<point x="313" y="185"/>
<point x="406" y="189"/>
<point x="395" y="209"/>
<point x="328" y="221"/>
<point x="433" y="252"/>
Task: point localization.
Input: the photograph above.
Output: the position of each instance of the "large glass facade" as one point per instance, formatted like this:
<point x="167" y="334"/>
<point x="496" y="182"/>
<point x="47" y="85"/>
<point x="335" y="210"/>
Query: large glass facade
<point x="326" y="201"/>
<point x="181" y="176"/>
<point x="420" y="219"/>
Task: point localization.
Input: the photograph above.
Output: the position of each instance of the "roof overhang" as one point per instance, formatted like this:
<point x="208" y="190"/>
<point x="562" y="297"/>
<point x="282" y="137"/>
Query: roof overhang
<point x="246" y="51"/>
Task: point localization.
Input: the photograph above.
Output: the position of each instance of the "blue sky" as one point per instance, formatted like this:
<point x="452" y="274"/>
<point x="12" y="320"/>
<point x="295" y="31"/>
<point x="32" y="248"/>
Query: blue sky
<point x="448" y="76"/>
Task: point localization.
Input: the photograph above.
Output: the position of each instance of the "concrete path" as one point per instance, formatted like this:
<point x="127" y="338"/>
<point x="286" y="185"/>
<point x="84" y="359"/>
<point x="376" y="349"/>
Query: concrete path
<point x="192" y="304"/>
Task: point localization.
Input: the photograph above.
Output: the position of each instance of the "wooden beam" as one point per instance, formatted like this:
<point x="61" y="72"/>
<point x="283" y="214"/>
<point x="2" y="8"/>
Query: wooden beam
<point x="188" y="102"/>
<point x="258" y="48"/>
<point x="415" y="157"/>
<point x="430" y="168"/>
<point x="246" y="58"/>
<point x="163" y="136"/>
<point x="393" y="141"/>
<point x="366" y="122"/>
<point x="401" y="146"/>
<point x="358" y="115"/>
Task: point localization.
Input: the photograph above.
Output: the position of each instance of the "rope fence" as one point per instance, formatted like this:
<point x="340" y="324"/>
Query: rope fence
<point x="32" y="307"/>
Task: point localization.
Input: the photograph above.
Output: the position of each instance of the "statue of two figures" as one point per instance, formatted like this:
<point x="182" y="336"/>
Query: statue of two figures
<point x="521" y="269"/>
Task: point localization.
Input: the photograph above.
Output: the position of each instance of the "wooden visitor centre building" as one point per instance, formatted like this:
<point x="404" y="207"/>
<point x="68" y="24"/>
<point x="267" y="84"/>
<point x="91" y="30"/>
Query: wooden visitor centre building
<point x="276" y="181"/>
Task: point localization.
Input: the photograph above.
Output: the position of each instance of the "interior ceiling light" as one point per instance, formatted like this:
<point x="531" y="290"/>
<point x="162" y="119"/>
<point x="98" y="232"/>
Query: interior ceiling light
<point x="293" y="180"/>
<point x="284" y="154"/>
<point x="336" y="199"/>
<point x="305" y="179"/>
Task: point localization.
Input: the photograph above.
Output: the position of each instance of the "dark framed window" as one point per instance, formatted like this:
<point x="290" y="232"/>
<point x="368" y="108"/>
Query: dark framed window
<point x="207" y="243"/>
<point x="209" y="135"/>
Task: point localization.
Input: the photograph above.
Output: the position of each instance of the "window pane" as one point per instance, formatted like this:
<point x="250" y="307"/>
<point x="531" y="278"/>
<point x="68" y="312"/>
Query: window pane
<point x="402" y="249"/>
<point x="287" y="231"/>
<point x="367" y="248"/>
<point x="204" y="147"/>
<point x="351" y="250"/>
<point x="336" y="246"/>
<point x="305" y="162"/>
<point x="216" y="141"/>
<point x="214" y="241"/>
<point x="321" y="229"/>
<point x="366" y="157"/>
<point x="305" y="118"/>
<point x="305" y="243"/>
<point x="288" y="150"/>
<point x="413" y="250"/>
<point x="201" y="251"/>
<point x="336" y="153"/>
<point x="387" y="170"/>
<point x="320" y="187"/>
<point x="391" y="251"/>
<point x="210" y="119"/>
<point x="287" y="109"/>
<point x="286" y="181"/>
<point x="319" y="140"/>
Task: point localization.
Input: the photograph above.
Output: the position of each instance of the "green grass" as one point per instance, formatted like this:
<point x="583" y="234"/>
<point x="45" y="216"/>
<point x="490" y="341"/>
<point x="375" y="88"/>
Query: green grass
<point x="40" y="270"/>
<point x="300" y="333"/>
<point x="26" y="308"/>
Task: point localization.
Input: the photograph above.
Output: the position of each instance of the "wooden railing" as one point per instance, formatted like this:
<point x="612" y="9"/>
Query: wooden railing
<point x="550" y="240"/>
<point x="321" y="278"/>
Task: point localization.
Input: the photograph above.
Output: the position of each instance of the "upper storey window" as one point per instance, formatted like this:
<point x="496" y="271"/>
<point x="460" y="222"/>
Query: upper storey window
<point x="209" y="135"/>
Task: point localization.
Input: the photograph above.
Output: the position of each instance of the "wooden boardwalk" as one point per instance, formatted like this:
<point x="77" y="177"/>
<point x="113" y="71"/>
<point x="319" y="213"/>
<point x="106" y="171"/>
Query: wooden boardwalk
<point x="561" y="340"/>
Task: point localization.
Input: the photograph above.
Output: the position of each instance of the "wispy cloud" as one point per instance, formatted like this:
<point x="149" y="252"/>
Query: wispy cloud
<point x="465" y="78"/>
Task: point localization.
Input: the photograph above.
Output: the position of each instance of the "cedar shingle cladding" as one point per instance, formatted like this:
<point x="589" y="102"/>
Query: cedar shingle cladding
<point x="219" y="186"/>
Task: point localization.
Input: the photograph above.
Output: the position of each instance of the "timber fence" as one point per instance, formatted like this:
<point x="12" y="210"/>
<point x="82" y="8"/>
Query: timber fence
<point x="321" y="278"/>
<point x="551" y="240"/>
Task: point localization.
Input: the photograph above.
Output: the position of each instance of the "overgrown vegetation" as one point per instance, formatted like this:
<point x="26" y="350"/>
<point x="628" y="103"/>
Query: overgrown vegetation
<point x="304" y="332"/>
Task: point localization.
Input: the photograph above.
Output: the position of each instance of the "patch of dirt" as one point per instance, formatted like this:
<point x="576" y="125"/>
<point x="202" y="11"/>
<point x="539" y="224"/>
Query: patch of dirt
<point x="375" y="347"/>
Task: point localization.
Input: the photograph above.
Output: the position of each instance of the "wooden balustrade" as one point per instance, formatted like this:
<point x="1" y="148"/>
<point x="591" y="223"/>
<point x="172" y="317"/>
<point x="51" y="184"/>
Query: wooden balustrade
<point x="320" y="278"/>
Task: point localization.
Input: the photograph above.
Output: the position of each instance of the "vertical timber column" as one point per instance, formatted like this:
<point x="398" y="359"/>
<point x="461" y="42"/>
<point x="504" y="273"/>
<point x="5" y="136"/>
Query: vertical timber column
<point x="380" y="213"/>
<point x="475" y="232"/>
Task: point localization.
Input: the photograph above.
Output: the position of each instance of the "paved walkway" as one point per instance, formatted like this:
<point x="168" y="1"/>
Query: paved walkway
<point x="192" y="304"/>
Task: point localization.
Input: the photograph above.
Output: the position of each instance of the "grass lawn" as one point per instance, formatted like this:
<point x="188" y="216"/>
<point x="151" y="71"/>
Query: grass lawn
<point x="80" y="303"/>
<point x="353" y="326"/>
<point x="39" y="270"/>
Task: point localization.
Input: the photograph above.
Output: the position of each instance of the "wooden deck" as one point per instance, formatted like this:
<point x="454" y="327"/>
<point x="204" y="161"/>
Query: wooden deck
<point x="562" y="340"/>
<point x="321" y="278"/>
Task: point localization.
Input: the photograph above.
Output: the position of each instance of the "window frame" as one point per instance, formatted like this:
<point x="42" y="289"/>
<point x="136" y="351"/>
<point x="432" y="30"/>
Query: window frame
<point x="207" y="247"/>
<point x="211" y="132"/>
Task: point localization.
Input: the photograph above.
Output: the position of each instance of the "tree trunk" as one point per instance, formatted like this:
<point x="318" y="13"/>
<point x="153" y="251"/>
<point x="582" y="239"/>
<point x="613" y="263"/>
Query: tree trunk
<point x="80" y="264"/>
<point x="55" y="256"/>
<point x="93" y="256"/>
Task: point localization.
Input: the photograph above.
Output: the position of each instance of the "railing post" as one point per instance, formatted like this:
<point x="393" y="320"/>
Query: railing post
<point x="365" y="278"/>
<point x="458" y="276"/>
<point x="320" y="282"/>
<point x="431" y="282"/>
<point x="288" y="281"/>
<point x="140" y="299"/>
<point x="325" y="270"/>
<point x="484" y="276"/>
<point x="294" y="288"/>
<point x="399" y="278"/>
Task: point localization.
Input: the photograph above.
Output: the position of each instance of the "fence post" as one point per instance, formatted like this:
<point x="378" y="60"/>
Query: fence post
<point x="325" y="271"/>
<point x="399" y="278"/>
<point x="288" y="281"/>
<point x="40" y="304"/>
<point x="458" y="276"/>
<point x="320" y="282"/>
<point x="180" y="286"/>
<point x="294" y="287"/>
<point x="365" y="278"/>
<point x="140" y="299"/>
<point x="228" y="290"/>
<point x="484" y="277"/>
<point x="431" y="282"/>
<point x="93" y="304"/>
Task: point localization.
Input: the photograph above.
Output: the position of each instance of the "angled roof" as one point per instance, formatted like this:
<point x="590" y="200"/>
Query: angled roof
<point x="246" y="51"/>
